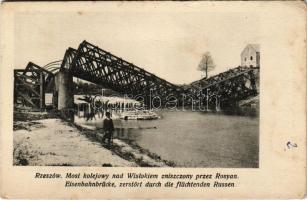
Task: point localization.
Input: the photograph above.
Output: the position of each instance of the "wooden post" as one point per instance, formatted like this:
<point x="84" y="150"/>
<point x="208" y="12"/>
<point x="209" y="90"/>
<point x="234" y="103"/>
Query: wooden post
<point x="42" y="91"/>
<point x="78" y="110"/>
<point x="207" y="96"/>
<point x="217" y="103"/>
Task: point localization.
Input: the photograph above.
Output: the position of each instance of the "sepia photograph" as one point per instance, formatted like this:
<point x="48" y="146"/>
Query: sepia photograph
<point x="136" y="89"/>
<point x="153" y="100"/>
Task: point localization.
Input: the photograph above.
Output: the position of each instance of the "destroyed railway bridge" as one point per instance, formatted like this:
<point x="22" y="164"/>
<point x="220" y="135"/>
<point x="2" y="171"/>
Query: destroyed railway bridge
<point x="95" y="65"/>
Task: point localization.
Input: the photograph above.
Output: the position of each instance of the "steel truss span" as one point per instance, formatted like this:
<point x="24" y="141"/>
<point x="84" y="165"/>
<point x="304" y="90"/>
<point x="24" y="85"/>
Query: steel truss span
<point x="30" y="85"/>
<point x="93" y="64"/>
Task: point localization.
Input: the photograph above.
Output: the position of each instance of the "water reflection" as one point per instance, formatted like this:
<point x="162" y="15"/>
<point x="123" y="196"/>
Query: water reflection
<point x="193" y="139"/>
<point x="128" y="134"/>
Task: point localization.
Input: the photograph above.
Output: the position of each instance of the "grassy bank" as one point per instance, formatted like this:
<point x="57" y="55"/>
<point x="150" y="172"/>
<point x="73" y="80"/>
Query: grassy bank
<point x="42" y="138"/>
<point x="127" y="150"/>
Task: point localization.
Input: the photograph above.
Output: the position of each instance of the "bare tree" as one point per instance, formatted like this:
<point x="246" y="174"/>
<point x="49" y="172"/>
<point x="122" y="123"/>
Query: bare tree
<point x="206" y="64"/>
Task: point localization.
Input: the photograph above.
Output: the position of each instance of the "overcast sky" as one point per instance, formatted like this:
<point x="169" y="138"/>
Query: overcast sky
<point x="168" y="44"/>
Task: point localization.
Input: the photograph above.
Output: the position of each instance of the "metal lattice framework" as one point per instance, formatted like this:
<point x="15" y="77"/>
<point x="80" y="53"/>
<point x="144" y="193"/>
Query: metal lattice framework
<point x="103" y="68"/>
<point x="95" y="65"/>
<point x="228" y="87"/>
<point x="30" y="85"/>
<point x="48" y="76"/>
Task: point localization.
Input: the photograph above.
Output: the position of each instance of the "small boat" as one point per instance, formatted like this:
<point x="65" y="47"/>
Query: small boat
<point x="138" y="115"/>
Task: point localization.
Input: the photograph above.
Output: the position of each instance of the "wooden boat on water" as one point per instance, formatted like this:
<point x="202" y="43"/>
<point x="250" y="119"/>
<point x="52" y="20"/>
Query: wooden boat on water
<point x="139" y="115"/>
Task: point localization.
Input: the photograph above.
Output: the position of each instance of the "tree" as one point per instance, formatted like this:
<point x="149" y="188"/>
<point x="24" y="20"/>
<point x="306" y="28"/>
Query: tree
<point x="206" y="64"/>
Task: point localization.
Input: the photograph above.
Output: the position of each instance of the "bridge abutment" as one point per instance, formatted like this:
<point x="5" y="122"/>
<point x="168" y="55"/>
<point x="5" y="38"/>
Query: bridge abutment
<point x="65" y="93"/>
<point x="65" y="96"/>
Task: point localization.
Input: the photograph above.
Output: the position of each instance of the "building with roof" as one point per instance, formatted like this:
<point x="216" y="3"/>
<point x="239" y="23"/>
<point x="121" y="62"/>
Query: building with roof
<point x="250" y="56"/>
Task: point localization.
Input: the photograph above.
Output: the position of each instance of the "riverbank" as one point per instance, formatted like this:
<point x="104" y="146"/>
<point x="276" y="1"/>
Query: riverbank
<point x="126" y="150"/>
<point x="178" y="139"/>
<point x="41" y="138"/>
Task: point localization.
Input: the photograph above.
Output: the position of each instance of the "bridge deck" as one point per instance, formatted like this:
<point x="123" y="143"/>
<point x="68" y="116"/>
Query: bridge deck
<point x="91" y="63"/>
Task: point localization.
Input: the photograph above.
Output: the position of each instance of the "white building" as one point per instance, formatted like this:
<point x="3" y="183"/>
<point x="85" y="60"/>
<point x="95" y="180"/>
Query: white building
<point x="250" y="56"/>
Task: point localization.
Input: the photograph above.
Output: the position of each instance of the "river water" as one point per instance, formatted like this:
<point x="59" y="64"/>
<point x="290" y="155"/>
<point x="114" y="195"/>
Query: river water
<point x="195" y="139"/>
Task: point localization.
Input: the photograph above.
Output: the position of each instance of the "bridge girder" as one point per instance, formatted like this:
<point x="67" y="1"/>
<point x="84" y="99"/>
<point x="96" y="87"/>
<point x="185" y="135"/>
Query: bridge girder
<point x="100" y="67"/>
<point x="95" y="65"/>
<point x="231" y="87"/>
<point x="30" y="85"/>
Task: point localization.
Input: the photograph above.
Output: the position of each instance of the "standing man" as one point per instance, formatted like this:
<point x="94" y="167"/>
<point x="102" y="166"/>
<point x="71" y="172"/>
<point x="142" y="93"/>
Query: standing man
<point x="108" y="128"/>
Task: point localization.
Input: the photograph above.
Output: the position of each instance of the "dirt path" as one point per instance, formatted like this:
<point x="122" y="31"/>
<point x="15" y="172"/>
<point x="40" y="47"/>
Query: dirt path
<point x="53" y="142"/>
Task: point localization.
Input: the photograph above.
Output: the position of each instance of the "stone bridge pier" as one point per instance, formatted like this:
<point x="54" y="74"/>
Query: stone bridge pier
<point x="63" y="95"/>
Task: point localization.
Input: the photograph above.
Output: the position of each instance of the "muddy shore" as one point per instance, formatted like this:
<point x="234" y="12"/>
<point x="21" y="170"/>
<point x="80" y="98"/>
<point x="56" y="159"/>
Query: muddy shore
<point x="43" y="139"/>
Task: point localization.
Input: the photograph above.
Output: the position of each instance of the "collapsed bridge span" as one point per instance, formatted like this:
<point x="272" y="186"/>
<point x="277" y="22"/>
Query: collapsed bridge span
<point x="93" y="64"/>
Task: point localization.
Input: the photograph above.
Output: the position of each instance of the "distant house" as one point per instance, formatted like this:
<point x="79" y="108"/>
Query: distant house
<point x="250" y="56"/>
